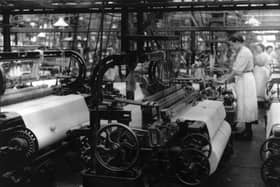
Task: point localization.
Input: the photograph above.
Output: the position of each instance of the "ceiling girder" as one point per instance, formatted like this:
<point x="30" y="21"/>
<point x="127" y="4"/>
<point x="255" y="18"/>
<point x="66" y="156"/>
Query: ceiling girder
<point x="87" y="6"/>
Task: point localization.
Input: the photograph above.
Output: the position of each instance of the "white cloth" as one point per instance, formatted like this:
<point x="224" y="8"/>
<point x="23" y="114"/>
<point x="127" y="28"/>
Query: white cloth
<point x="272" y="58"/>
<point x="247" y="107"/>
<point x="219" y="144"/>
<point x="261" y="74"/>
<point x="49" y="118"/>
<point x="244" y="61"/>
<point x="262" y="59"/>
<point x="245" y="86"/>
<point x="273" y="118"/>
<point x="111" y="74"/>
<point x="198" y="70"/>
<point x="212" y="113"/>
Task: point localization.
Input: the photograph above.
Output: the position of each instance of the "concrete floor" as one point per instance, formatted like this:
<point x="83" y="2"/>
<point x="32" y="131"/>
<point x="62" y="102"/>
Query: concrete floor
<point x="243" y="168"/>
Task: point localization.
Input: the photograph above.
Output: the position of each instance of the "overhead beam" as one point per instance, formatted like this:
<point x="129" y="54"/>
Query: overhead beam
<point x="147" y="38"/>
<point x="180" y="29"/>
<point x="65" y="30"/>
<point x="221" y="29"/>
<point x="134" y="6"/>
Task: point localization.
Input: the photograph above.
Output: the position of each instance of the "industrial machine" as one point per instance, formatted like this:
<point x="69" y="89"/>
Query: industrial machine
<point x="270" y="149"/>
<point x="170" y="135"/>
<point x="211" y="90"/>
<point x="34" y="120"/>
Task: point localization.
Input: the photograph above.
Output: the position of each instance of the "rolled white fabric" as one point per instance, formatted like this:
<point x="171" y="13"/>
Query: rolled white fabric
<point x="219" y="143"/>
<point x="139" y="95"/>
<point x="136" y="115"/>
<point x="212" y="113"/>
<point x="49" y="118"/>
<point x="247" y="104"/>
<point x="273" y="118"/>
<point x="261" y="76"/>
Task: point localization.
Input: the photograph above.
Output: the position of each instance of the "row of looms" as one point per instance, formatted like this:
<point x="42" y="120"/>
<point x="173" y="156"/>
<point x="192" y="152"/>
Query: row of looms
<point x="177" y="128"/>
<point x="150" y="113"/>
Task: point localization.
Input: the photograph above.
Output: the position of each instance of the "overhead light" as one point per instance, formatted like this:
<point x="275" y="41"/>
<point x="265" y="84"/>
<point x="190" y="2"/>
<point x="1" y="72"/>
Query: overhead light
<point x="114" y="26"/>
<point x="266" y="38"/>
<point x="60" y="23"/>
<point x="68" y="39"/>
<point x="266" y="32"/>
<point x="32" y="24"/>
<point x="33" y="39"/>
<point x="253" y="21"/>
<point x="269" y="37"/>
<point x="41" y="35"/>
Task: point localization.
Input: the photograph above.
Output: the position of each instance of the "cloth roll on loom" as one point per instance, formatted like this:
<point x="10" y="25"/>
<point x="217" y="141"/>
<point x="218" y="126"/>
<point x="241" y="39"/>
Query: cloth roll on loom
<point x="219" y="144"/>
<point x="273" y="118"/>
<point x="49" y="118"/>
<point x="212" y="113"/>
<point x="24" y="94"/>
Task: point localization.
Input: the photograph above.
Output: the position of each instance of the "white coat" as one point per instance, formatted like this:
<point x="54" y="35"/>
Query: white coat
<point x="261" y="73"/>
<point x="245" y="86"/>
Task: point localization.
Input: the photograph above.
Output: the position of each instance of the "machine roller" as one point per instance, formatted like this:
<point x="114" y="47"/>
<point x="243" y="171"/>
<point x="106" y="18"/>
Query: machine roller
<point x="36" y="128"/>
<point x="193" y="142"/>
<point x="212" y="114"/>
<point x="270" y="149"/>
<point x="171" y="134"/>
<point x="34" y="123"/>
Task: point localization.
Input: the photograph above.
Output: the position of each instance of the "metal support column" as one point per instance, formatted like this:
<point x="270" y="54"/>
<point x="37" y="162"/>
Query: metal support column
<point x="140" y="31"/>
<point x="124" y="30"/>
<point x="6" y="32"/>
<point x="125" y="49"/>
<point x="75" y="21"/>
<point x="192" y="47"/>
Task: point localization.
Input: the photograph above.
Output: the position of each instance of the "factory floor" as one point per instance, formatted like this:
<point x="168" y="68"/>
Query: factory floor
<point x="242" y="169"/>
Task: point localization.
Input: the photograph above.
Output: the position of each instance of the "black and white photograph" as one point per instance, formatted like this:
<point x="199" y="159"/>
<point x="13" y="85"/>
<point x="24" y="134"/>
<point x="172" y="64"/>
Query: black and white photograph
<point x="139" y="93"/>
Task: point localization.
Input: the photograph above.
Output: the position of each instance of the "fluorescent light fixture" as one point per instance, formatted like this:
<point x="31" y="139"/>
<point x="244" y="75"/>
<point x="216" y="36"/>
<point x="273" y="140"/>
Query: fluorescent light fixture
<point x="32" y="24"/>
<point x="269" y="37"/>
<point x="42" y="35"/>
<point x="253" y="21"/>
<point x="33" y="39"/>
<point x="265" y="38"/>
<point x="114" y="26"/>
<point x="266" y="32"/>
<point x="60" y="23"/>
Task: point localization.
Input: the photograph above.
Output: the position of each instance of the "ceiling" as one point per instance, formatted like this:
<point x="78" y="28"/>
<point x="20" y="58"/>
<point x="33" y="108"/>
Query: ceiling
<point x="33" y="6"/>
<point x="266" y="18"/>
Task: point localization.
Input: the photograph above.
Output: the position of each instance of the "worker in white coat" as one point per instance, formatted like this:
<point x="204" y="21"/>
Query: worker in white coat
<point x="261" y="70"/>
<point x="271" y="54"/>
<point x="245" y="86"/>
